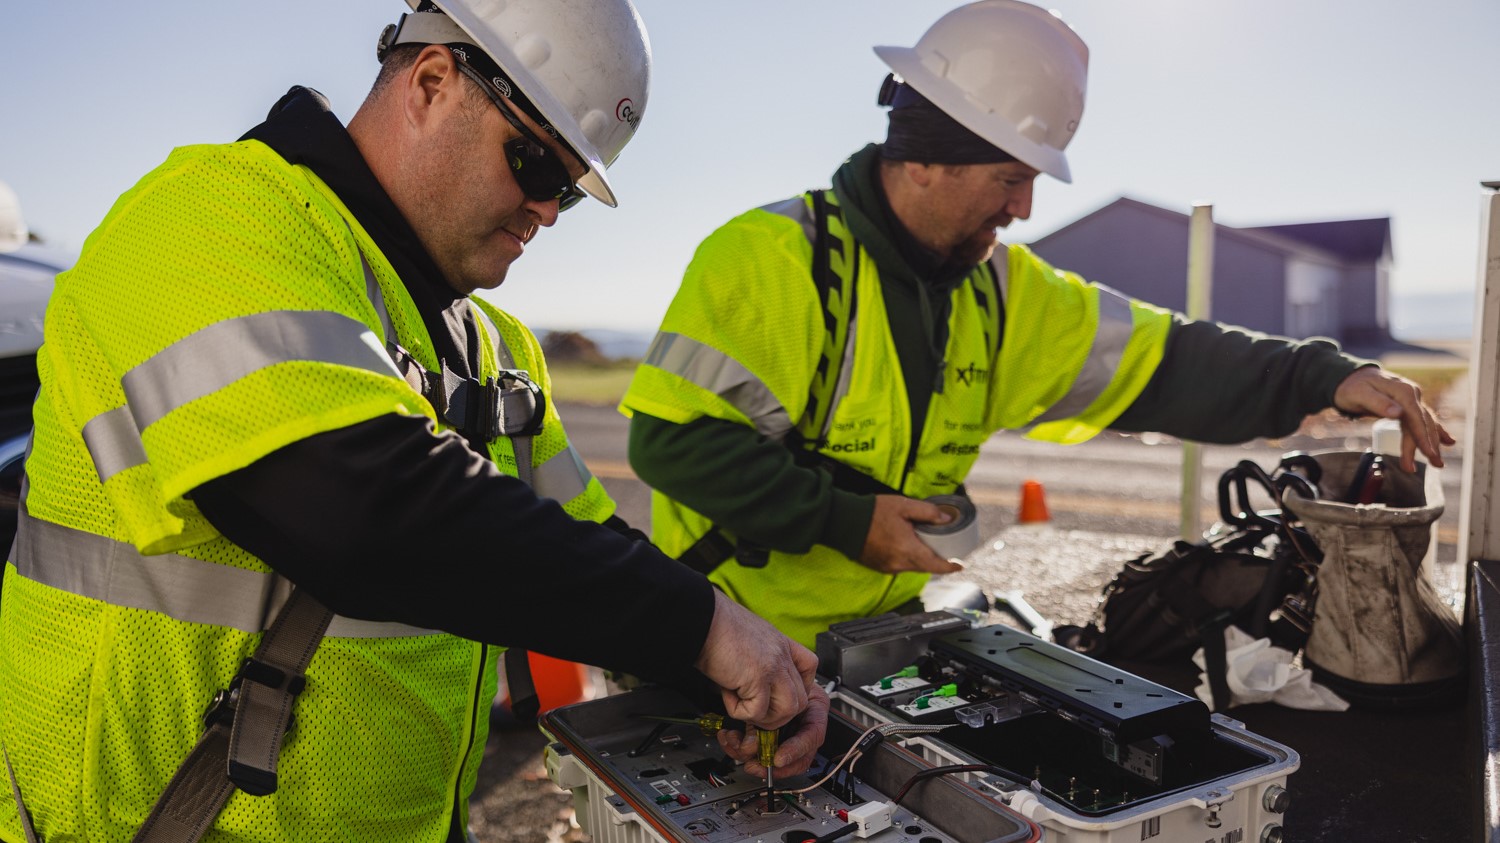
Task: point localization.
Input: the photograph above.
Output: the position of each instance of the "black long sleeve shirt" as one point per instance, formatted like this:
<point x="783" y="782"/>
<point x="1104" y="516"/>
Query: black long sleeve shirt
<point x="391" y="520"/>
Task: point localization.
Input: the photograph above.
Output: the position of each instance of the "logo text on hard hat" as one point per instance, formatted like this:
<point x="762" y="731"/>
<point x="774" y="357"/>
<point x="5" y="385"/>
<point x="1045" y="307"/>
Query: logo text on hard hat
<point x="625" y="112"/>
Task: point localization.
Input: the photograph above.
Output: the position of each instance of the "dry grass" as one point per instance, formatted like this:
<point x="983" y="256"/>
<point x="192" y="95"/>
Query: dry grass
<point x="584" y="383"/>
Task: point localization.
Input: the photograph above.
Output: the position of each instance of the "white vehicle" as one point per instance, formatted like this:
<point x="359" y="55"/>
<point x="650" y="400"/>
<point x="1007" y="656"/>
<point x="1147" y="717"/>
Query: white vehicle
<point x="27" y="269"/>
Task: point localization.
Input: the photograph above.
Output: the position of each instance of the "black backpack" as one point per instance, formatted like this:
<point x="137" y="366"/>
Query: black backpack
<point x="1253" y="570"/>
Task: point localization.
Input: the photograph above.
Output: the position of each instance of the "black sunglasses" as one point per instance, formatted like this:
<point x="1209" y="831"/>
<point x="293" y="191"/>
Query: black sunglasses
<point x="539" y="172"/>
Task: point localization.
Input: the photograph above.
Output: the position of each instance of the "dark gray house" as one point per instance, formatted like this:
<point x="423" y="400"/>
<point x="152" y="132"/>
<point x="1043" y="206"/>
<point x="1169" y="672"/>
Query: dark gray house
<point x="1326" y="279"/>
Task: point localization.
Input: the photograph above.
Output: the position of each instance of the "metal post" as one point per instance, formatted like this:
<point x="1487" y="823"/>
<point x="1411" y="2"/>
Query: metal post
<point x="1200" y="279"/>
<point x="1479" y="517"/>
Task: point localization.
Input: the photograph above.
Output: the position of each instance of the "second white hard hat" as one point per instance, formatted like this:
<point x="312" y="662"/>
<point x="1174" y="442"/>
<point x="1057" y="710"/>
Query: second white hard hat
<point x="584" y="64"/>
<point x="1010" y="72"/>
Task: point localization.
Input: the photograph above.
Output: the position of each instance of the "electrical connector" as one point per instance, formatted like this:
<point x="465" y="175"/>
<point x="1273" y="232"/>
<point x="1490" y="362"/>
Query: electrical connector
<point x="871" y="818"/>
<point x="925" y="701"/>
<point x="907" y="672"/>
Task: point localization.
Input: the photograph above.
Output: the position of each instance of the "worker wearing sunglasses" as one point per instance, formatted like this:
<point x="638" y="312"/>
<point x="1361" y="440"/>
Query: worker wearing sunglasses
<point x="539" y="172"/>
<point x="271" y="383"/>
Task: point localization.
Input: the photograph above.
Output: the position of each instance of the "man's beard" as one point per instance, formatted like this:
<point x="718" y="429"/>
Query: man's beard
<point x="971" y="252"/>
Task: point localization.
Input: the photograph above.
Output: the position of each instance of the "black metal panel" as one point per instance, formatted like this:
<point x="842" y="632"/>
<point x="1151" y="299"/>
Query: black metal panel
<point x="1087" y="691"/>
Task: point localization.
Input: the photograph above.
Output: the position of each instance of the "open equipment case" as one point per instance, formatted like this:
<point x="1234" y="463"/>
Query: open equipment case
<point x="1055" y="746"/>
<point x="635" y="782"/>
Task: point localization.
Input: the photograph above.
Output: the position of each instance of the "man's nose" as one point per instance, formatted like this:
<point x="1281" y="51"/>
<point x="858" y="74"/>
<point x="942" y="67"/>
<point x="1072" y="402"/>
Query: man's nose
<point x="1019" y="204"/>
<point x="543" y="211"/>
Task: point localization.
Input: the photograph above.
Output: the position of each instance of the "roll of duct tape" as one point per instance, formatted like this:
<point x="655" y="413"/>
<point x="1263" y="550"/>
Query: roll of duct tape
<point x="960" y="535"/>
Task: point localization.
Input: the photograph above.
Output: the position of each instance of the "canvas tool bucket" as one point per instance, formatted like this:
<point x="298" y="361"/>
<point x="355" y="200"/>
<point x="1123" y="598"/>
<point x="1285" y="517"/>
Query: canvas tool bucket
<point x="1381" y="636"/>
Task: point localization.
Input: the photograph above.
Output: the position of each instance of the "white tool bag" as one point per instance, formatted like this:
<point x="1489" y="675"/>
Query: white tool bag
<point x="1381" y="636"/>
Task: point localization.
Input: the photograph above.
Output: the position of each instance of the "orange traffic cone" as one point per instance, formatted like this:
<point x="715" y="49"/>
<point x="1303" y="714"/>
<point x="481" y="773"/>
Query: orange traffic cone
<point x="557" y="683"/>
<point x="1033" y="503"/>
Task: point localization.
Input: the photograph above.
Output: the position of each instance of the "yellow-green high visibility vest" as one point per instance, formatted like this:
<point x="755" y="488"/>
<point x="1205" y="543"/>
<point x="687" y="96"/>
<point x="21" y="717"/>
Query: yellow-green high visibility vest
<point x="227" y="306"/>
<point x="746" y="334"/>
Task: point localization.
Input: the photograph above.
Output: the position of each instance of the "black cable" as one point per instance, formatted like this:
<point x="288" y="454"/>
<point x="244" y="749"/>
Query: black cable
<point x="650" y="739"/>
<point x="943" y="771"/>
<point x="836" y="834"/>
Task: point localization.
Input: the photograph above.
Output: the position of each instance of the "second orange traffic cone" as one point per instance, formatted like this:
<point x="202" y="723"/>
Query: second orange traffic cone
<point x="1033" y="503"/>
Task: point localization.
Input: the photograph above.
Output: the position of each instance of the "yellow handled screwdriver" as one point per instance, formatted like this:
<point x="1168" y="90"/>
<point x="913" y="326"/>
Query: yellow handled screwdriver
<point x="709" y="724"/>
<point x="768" y="759"/>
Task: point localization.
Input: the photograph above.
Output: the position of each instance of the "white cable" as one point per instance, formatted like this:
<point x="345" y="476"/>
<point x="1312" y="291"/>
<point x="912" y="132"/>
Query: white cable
<point x="886" y="729"/>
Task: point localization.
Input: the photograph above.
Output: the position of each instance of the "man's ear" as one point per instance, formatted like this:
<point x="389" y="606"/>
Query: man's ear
<point x="431" y="85"/>
<point x="920" y="174"/>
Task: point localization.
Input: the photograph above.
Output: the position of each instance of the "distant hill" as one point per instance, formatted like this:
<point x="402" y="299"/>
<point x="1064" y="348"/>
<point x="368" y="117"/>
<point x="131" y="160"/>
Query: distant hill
<point x="1432" y="316"/>
<point x="611" y="344"/>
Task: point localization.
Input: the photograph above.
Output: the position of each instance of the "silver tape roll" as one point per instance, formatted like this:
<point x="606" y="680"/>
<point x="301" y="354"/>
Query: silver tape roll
<point x="957" y="538"/>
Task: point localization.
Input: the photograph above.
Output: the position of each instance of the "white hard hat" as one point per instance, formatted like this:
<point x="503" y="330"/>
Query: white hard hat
<point x="1010" y="72"/>
<point x="13" y="231"/>
<point x="584" y="64"/>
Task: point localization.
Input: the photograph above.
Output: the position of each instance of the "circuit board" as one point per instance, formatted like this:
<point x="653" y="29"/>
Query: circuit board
<point x="684" y="784"/>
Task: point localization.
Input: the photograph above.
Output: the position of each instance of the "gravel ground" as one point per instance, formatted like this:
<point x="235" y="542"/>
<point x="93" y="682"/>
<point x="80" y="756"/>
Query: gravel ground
<point x="514" y="801"/>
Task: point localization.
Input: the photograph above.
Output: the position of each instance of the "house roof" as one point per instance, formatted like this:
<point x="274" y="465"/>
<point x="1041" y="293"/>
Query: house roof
<point x="1343" y="240"/>
<point x="1355" y="240"/>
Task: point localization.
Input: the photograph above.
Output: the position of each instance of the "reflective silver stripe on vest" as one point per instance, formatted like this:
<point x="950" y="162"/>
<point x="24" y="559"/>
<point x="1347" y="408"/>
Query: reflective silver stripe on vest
<point x="214" y="357"/>
<point x="722" y="375"/>
<point x="180" y="587"/>
<point x="377" y="298"/>
<point x="846" y="373"/>
<point x="796" y="209"/>
<point x="563" y="477"/>
<point x="1115" y="328"/>
<point x="114" y="442"/>
<point x="1000" y="264"/>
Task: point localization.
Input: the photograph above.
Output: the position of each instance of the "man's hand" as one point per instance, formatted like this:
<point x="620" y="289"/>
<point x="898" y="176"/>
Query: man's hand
<point x="796" y="748"/>
<point x="766" y="679"/>
<point x="892" y="545"/>
<point x="1373" y="391"/>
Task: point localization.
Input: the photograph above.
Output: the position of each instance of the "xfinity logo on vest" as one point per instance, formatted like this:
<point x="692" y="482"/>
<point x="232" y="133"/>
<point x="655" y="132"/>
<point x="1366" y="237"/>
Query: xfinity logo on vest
<point x="851" y="447"/>
<point x="625" y="112"/>
<point x="971" y="375"/>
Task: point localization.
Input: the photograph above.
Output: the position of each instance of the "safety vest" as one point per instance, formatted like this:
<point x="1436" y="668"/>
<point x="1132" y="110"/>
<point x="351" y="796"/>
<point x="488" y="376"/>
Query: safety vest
<point x="227" y="306"/>
<point x="748" y="334"/>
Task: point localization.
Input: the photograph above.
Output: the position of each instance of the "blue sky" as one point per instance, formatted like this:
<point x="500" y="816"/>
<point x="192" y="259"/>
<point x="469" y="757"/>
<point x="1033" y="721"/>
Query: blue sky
<point x="1275" y="111"/>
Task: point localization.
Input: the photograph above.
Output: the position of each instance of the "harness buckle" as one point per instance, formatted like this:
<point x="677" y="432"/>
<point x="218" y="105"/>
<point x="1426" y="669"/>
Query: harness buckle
<point x="221" y="708"/>
<point x="220" y="711"/>
<point x="520" y="405"/>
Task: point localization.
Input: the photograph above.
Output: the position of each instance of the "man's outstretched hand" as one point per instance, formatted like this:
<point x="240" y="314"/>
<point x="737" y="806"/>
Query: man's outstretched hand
<point x="1373" y="391"/>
